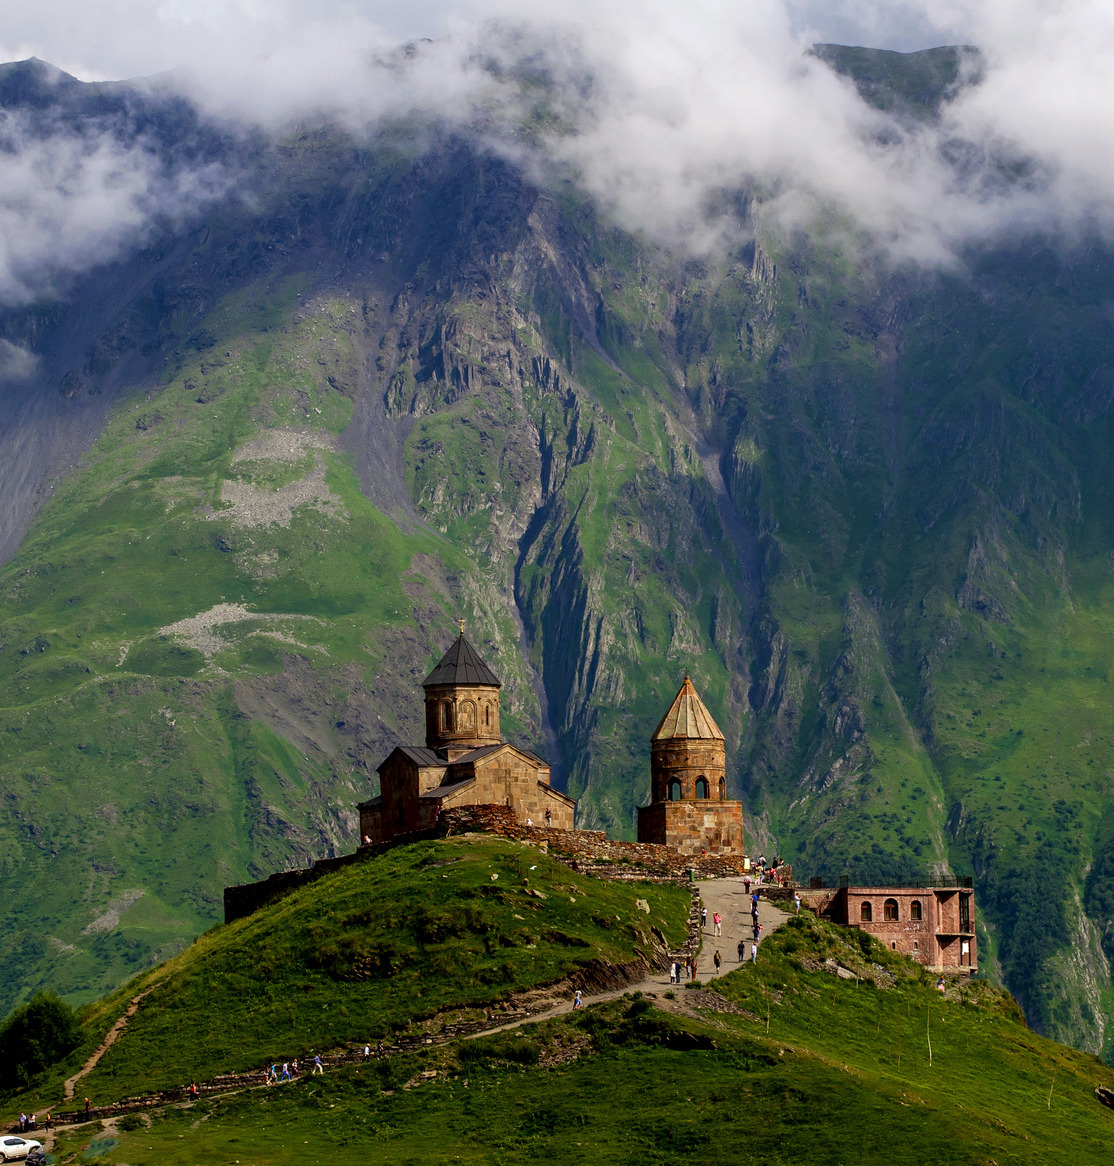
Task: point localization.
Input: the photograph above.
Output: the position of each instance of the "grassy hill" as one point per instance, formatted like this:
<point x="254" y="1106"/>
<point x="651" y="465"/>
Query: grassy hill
<point x="782" y="1062"/>
<point x="367" y="951"/>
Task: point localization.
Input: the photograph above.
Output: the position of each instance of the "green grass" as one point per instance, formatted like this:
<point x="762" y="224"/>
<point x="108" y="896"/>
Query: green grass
<point x="814" y="1069"/>
<point x="368" y="951"/>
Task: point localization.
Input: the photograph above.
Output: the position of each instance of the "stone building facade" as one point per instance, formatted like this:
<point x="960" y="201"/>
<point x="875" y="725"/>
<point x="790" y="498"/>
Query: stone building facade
<point x="934" y="925"/>
<point x="689" y="808"/>
<point x="463" y="762"/>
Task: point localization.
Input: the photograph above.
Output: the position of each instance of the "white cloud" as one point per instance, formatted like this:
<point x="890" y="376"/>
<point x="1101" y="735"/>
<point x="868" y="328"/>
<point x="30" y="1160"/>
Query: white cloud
<point x="69" y="201"/>
<point x="16" y="363"/>
<point x="664" y="106"/>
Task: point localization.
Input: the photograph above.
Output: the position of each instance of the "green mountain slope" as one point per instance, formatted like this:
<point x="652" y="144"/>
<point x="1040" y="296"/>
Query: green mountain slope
<point x="784" y="1060"/>
<point x="868" y="510"/>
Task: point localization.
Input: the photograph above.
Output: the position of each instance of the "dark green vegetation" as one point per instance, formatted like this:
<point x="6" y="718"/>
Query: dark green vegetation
<point x="870" y="511"/>
<point x="812" y="1068"/>
<point x="34" y="1037"/>
<point x="366" y="953"/>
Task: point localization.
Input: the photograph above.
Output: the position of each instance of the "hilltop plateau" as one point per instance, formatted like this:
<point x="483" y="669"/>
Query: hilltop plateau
<point x="255" y="462"/>
<point x="829" y="1049"/>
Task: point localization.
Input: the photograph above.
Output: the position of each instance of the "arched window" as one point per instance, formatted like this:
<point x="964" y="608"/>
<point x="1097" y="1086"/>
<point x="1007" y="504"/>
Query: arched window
<point x="916" y="946"/>
<point x="487" y="715"/>
<point x="447" y="715"/>
<point x="674" y="791"/>
<point x="468" y="715"/>
<point x="722" y="790"/>
<point x="865" y="913"/>
<point x="701" y="787"/>
<point x="889" y="910"/>
<point x="915" y="910"/>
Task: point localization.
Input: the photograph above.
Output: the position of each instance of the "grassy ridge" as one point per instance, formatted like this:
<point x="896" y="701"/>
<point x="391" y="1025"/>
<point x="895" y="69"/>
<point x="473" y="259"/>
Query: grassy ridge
<point x="368" y="950"/>
<point x="813" y="1068"/>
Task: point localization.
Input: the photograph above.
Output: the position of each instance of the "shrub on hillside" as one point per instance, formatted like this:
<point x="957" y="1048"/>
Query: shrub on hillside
<point x="34" y="1037"/>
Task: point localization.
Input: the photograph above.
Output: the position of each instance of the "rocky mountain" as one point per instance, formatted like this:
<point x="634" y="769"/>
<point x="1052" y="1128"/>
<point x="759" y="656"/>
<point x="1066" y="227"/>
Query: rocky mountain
<point x="257" y="461"/>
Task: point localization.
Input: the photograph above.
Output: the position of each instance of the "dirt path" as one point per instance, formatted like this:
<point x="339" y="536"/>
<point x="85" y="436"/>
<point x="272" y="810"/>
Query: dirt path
<point x="110" y="1039"/>
<point x="730" y="898"/>
<point x="727" y="896"/>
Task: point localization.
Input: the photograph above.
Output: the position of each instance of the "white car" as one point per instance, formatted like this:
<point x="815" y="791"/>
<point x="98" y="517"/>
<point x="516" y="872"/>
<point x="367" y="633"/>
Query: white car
<point x="13" y="1149"/>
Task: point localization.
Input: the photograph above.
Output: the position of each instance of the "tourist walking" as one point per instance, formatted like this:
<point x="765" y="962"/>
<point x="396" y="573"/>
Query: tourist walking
<point x="578" y="1000"/>
<point x="742" y="949"/>
<point x="286" y="1070"/>
<point x="746" y="883"/>
<point x="193" y="1091"/>
<point x="673" y="972"/>
<point x="294" y="1068"/>
<point x="704" y="918"/>
<point x="717" y="919"/>
<point x="754" y="953"/>
<point x="757" y="930"/>
<point x="717" y="960"/>
<point x="797" y="903"/>
<point x="317" y="1066"/>
<point x="87" y="1107"/>
<point x="367" y="1052"/>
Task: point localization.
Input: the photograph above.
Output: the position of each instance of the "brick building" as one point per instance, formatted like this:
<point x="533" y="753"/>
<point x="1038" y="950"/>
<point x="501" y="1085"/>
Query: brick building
<point x="689" y="808"/>
<point x="934" y="925"/>
<point x="463" y="762"/>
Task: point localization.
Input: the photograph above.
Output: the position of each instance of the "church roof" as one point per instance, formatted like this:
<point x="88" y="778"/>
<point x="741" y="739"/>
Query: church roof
<point x="461" y="664"/>
<point x="687" y="717"/>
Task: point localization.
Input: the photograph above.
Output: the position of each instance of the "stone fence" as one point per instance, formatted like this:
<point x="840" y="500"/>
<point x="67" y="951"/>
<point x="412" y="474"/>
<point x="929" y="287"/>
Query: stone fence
<point x="589" y="851"/>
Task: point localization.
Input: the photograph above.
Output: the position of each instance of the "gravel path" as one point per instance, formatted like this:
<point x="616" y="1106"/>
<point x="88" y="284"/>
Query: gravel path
<point x="727" y="896"/>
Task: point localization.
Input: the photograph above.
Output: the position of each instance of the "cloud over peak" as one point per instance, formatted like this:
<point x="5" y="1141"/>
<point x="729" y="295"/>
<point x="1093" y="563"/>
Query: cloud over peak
<point x="657" y="110"/>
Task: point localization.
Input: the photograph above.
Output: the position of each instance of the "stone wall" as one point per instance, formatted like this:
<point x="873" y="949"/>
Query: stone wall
<point x="693" y="827"/>
<point x="590" y="851"/>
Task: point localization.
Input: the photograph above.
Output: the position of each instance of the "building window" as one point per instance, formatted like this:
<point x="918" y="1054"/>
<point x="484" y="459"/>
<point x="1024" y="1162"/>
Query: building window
<point x="487" y="715"/>
<point x="468" y="715"/>
<point x="964" y="912"/>
<point x="889" y="910"/>
<point x="674" y="791"/>
<point x="722" y="790"/>
<point x="865" y="913"/>
<point x="916" y="946"/>
<point x="893" y="945"/>
<point x="701" y="787"/>
<point x="447" y="715"/>
<point x="915" y="910"/>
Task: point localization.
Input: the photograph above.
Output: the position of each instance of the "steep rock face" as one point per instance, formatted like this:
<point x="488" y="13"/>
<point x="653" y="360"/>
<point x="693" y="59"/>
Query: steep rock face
<point x="869" y="512"/>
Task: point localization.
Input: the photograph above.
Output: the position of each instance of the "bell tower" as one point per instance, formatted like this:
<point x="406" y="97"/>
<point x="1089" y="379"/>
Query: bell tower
<point x="689" y="808"/>
<point x="461" y="702"/>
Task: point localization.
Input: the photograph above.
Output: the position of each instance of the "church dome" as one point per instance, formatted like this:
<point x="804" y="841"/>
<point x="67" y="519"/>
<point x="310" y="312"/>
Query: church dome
<point x="461" y="664"/>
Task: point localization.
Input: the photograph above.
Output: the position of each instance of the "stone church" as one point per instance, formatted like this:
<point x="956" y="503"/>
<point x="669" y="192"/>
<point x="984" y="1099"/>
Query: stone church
<point x="689" y="808"/>
<point x="464" y="761"/>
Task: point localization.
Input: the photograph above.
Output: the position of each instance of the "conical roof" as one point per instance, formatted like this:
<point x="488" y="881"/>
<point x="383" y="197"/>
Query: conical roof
<point x="461" y="664"/>
<point x="687" y="718"/>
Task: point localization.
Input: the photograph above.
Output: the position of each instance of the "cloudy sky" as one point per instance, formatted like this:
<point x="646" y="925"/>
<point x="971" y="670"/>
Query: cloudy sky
<point x="670" y="103"/>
